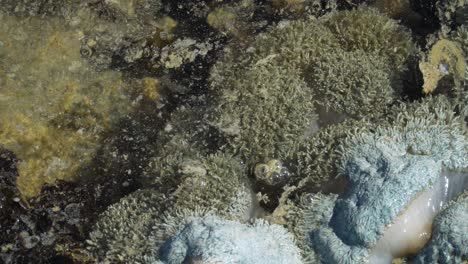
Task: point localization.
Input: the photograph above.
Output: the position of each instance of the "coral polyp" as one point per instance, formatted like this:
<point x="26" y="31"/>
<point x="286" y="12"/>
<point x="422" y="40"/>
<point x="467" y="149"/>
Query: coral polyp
<point x="404" y="164"/>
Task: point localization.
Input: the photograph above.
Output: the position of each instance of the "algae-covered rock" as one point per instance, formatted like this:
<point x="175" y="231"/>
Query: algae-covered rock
<point x="303" y="8"/>
<point x="236" y="19"/>
<point x="39" y="7"/>
<point x="446" y="59"/>
<point x="447" y="14"/>
<point x="55" y="107"/>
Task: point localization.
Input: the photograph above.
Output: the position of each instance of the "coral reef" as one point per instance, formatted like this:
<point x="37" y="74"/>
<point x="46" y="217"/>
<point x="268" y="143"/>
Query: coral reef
<point x="386" y="170"/>
<point x="313" y="164"/>
<point x="366" y="76"/>
<point x="211" y="239"/>
<point x="310" y="211"/>
<point x="240" y="131"/>
<point x="123" y="229"/>
<point x="449" y="235"/>
<point x="264" y="89"/>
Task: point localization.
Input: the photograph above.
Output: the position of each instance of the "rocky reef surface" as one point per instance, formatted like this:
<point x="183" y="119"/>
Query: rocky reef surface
<point x="240" y="131"/>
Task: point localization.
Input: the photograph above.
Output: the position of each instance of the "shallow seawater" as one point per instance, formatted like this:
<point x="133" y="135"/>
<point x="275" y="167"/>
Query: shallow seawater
<point x="123" y="122"/>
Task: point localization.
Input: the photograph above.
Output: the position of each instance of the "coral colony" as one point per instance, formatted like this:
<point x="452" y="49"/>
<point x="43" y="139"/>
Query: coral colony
<point x="245" y="131"/>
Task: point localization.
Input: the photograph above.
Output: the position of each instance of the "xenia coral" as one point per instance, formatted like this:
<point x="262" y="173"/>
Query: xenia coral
<point x="138" y="225"/>
<point x="365" y="75"/>
<point x="122" y="231"/>
<point x="267" y="96"/>
<point x="194" y="177"/>
<point x="370" y="31"/>
<point x="449" y="235"/>
<point x="55" y="108"/>
<point x="313" y="164"/>
<point x="214" y="240"/>
<point x="215" y="183"/>
<point x="387" y="169"/>
<point x="306" y="213"/>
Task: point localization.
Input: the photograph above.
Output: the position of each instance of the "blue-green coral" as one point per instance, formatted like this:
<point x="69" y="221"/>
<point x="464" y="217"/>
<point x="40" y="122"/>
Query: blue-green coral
<point x="386" y="170"/>
<point x="214" y="240"/>
<point x="449" y="235"/>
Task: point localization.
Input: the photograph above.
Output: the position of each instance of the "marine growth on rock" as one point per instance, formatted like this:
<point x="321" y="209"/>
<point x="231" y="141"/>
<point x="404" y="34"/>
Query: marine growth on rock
<point x="241" y="131"/>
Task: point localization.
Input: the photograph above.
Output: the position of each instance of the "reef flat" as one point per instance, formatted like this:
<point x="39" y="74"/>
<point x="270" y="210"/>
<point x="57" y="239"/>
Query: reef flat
<point x="240" y="131"/>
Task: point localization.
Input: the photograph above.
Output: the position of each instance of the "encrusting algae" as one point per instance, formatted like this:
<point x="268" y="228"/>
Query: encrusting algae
<point x="55" y="107"/>
<point x="445" y="57"/>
